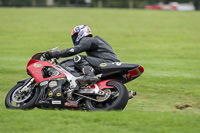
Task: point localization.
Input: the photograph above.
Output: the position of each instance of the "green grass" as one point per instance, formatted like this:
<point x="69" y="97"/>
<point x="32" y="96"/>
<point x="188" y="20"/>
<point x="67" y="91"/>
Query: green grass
<point x="165" y="43"/>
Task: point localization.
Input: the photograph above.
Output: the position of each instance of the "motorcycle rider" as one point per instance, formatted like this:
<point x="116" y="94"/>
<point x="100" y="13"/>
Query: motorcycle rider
<point x="97" y="49"/>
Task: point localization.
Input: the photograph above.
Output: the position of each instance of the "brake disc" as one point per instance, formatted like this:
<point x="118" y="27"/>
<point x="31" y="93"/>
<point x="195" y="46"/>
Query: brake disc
<point x="18" y="97"/>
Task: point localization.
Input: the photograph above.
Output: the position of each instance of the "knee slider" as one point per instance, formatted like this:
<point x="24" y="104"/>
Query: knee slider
<point x="77" y="58"/>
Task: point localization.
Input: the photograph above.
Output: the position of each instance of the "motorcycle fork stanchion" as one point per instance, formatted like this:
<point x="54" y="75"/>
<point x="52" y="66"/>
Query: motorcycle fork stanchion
<point x="25" y="87"/>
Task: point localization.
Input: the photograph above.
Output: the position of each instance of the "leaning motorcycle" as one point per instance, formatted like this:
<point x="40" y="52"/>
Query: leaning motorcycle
<point x="56" y="85"/>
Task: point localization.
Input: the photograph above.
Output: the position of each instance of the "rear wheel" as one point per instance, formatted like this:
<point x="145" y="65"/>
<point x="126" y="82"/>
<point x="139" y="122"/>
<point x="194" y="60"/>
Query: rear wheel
<point x="116" y="98"/>
<point x="21" y="100"/>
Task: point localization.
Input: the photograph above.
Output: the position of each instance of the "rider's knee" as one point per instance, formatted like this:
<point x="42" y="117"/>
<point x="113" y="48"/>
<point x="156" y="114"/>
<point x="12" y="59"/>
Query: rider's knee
<point x="77" y="59"/>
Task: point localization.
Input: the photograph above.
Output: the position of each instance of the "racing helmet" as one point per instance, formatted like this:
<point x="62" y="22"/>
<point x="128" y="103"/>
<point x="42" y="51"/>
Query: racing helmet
<point x="79" y="32"/>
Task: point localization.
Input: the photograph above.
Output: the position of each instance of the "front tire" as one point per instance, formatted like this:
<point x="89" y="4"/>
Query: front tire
<point x="26" y="101"/>
<point x="117" y="100"/>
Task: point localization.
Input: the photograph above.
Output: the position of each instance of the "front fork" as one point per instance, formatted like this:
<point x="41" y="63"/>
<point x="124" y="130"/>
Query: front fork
<point x="26" y="87"/>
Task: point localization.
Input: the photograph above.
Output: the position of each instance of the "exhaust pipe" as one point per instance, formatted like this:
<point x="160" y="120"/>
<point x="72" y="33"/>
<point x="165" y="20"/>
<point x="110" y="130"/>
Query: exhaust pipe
<point x="131" y="94"/>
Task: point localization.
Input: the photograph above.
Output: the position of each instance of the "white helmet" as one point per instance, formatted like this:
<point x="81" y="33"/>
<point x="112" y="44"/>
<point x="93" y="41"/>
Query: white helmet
<point x="79" y="32"/>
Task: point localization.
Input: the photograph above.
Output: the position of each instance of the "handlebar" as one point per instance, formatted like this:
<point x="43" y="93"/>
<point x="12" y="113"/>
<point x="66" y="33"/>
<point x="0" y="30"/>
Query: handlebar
<point x="53" y="60"/>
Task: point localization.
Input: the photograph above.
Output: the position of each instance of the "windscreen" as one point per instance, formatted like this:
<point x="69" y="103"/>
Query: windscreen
<point x="39" y="55"/>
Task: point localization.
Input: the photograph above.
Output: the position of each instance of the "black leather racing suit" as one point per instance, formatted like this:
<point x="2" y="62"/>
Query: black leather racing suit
<point x="97" y="49"/>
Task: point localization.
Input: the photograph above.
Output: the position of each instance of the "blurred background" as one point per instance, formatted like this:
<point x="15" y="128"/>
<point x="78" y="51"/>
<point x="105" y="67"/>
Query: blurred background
<point x="181" y="5"/>
<point x="166" y="43"/>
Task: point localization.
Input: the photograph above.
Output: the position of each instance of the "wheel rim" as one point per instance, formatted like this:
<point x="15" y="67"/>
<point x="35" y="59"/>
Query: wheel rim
<point x="108" y="103"/>
<point x="19" y="99"/>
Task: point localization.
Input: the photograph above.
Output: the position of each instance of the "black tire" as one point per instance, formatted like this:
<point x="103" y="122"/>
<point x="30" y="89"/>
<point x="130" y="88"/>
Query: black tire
<point x="27" y="104"/>
<point x="114" y="103"/>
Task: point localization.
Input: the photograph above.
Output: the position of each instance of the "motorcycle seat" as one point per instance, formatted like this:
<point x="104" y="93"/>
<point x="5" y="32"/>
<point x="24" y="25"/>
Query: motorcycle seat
<point x="116" y="66"/>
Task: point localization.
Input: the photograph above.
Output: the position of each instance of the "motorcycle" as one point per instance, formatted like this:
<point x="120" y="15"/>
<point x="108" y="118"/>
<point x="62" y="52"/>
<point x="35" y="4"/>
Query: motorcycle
<point x="56" y="85"/>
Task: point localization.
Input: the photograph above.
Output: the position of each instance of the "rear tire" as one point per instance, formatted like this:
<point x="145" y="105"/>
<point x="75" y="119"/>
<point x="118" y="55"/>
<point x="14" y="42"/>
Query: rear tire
<point x="115" y="102"/>
<point x="29" y="103"/>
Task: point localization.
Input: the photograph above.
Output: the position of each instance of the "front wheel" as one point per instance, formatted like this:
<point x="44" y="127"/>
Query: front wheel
<point x="21" y="100"/>
<point x="117" y="100"/>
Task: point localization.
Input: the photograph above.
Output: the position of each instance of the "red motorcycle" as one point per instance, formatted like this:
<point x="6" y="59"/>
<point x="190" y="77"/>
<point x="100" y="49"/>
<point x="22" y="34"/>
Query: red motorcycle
<point x="56" y="85"/>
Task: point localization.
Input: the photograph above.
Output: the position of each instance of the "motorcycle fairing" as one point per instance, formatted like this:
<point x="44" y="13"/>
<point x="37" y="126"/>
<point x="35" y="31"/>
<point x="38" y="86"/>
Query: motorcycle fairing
<point x="35" y="67"/>
<point x="103" y="84"/>
<point x="53" y="97"/>
<point x="124" y="72"/>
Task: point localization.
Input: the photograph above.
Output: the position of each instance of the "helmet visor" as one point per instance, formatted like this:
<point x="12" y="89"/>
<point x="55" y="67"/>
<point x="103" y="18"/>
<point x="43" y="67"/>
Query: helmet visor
<point x="74" y="36"/>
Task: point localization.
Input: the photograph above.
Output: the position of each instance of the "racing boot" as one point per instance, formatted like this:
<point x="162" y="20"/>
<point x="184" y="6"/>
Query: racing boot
<point x="89" y="77"/>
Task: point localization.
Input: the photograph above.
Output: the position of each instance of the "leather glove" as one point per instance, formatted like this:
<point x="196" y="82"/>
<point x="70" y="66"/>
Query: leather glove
<point x="49" y="55"/>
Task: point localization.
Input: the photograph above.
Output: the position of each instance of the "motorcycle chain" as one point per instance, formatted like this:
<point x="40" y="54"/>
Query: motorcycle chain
<point x="89" y="97"/>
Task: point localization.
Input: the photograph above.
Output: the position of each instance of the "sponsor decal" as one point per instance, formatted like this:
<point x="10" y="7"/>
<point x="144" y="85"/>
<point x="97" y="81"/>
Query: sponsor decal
<point x="60" y="78"/>
<point x="37" y="65"/>
<point x="35" y="71"/>
<point x="118" y="63"/>
<point x="56" y="102"/>
<point x="50" y="94"/>
<point x="53" y="84"/>
<point x="71" y="104"/>
<point x="43" y="83"/>
<point x="58" y="94"/>
<point x="103" y="64"/>
<point x="41" y="101"/>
